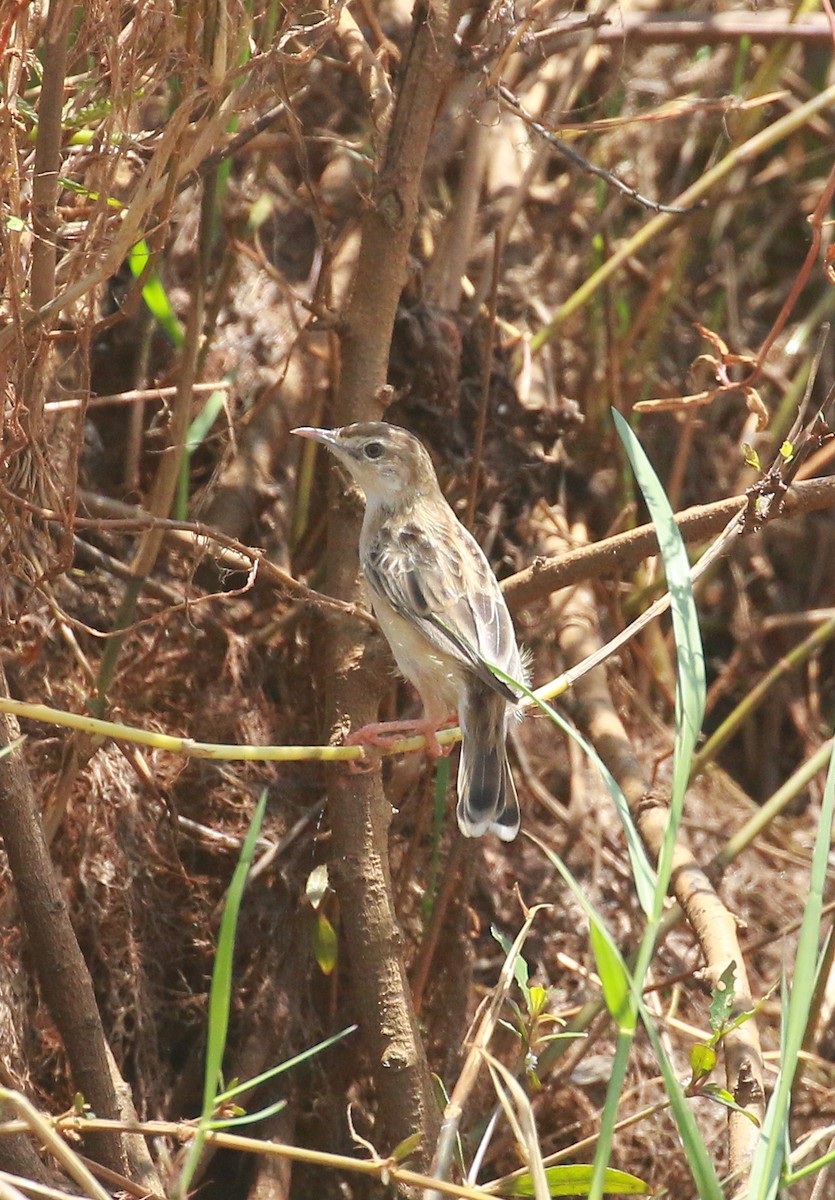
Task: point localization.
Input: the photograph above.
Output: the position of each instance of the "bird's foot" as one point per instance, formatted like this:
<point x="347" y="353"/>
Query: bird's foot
<point x="383" y="733"/>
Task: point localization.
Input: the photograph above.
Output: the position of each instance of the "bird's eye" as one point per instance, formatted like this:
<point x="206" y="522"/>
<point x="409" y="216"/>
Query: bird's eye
<point x="373" y="450"/>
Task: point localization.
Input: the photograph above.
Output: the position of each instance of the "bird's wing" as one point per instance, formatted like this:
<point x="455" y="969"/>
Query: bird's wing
<point x="441" y="582"/>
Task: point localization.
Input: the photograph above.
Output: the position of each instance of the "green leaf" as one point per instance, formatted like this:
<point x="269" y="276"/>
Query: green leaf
<point x="691" y="688"/>
<point x="690" y="703"/>
<point x="722" y="1000"/>
<point x="767" y="1166"/>
<point x="723" y="1096"/>
<point x="155" y="295"/>
<point x="576" y="1181"/>
<point x="704" y="1173"/>
<point x="205" y="419"/>
<point x="702" y="1060"/>
<point x="614" y="977"/>
<point x="25" y="109"/>
<point x="246" y="1118"/>
<point x="544" y="1039"/>
<point x="751" y="457"/>
<point x="742" y="1017"/>
<point x="324" y="944"/>
<point x="15" y="224"/>
<point x="220" y="995"/>
<point x="537" y="1000"/>
<point x="220" y="992"/>
<point x="407" y="1147"/>
<point x="787" y="451"/>
<point x="520" y="967"/>
<point x="248" y="1084"/>
<point x="261" y="210"/>
<point x="12" y="746"/>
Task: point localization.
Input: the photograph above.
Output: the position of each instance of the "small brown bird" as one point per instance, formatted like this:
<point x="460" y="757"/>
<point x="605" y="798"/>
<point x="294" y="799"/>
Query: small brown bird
<point x="439" y="605"/>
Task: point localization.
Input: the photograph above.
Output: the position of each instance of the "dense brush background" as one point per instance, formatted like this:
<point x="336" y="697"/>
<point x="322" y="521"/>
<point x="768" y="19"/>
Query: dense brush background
<point x="254" y="244"/>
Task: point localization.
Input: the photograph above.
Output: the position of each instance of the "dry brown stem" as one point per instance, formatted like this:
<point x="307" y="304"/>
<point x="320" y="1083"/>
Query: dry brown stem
<point x="700" y="29"/>
<point x="34" y="377"/>
<point x="625" y="550"/>
<point x="370" y="73"/>
<point x="816" y="221"/>
<point x="197" y="536"/>
<point x="62" y="971"/>
<point x="359" y="811"/>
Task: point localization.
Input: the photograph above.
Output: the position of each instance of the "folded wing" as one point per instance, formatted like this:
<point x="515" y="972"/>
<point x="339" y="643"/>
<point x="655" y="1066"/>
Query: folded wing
<point x="440" y="581"/>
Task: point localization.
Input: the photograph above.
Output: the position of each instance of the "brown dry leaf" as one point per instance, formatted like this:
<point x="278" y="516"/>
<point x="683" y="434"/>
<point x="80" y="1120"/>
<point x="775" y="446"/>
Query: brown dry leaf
<point x="753" y="399"/>
<point x="728" y="357"/>
<point x="677" y="403"/>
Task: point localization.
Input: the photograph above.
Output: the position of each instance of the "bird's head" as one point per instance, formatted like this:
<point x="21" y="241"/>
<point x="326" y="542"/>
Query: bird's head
<point x="388" y="463"/>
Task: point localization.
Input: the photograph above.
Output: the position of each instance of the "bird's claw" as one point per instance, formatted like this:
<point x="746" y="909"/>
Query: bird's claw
<point x="382" y="734"/>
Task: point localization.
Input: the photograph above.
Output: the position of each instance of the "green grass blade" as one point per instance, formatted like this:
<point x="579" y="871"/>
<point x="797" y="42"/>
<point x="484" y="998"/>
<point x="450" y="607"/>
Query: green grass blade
<point x="247" y="1118"/>
<point x="220" y="997"/>
<point x="769" y="1155"/>
<point x="690" y="682"/>
<point x="155" y="295"/>
<point x="698" y="1158"/>
<point x="690" y="706"/>
<point x="197" y="433"/>
<point x="12" y="746"/>
<point x="257" y="1080"/>
<point x="576" y="1181"/>
<point x="642" y="872"/>
<point x="220" y="993"/>
<point x="704" y="1174"/>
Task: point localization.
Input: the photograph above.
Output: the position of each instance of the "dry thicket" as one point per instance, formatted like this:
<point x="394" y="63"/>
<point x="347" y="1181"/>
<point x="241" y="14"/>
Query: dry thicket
<point x="491" y="225"/>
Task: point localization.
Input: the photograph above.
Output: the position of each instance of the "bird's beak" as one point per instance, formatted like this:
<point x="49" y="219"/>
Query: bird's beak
<point x="328" y="437"/>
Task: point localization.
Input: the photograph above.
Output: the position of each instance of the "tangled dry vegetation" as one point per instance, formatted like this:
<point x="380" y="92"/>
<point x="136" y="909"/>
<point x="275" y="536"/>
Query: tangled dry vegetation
<point x="344" y="213"/>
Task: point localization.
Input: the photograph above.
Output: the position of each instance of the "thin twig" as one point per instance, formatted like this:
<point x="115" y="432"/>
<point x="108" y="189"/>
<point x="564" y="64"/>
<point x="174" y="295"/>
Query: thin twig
<point x="648" y="28"/>
<point x="486" y="376"/>
<point x="514" y="105"/>
<point x="227" y="550"/>
<point x="135" y="396"/>
<point x="625" y="550"/>
<point x="384" y="1169"/>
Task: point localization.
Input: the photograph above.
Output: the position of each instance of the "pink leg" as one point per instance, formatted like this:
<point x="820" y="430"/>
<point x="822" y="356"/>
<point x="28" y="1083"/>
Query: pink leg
<point x="383" y="732"/>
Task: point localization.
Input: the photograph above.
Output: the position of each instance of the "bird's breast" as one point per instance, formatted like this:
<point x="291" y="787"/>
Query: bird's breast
<point x="439" y="678"/>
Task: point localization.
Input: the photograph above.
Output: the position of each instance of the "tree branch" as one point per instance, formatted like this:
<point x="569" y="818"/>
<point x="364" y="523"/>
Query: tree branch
<point x="61" y="969"/>
<point x="625" y="550"/>
<point x="359" y="811"/>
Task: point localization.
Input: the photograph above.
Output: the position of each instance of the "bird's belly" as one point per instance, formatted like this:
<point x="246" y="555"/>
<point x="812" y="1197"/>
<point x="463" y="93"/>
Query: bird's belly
<point x="436" y="676"/>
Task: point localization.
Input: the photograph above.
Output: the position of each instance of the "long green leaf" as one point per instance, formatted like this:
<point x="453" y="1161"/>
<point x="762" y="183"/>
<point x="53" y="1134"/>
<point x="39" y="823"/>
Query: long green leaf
<point x="576" y="1181"/>
<point x="642" y="872"/>
<point x="690" y="704"/>
<point x="220" y="993"/>
<point x="690" y="680"/>
<point x="265" y="1076"/>
<point x="155" y="295"/>
<point x="769" y="1154"/>
<point x="220" y="996"/>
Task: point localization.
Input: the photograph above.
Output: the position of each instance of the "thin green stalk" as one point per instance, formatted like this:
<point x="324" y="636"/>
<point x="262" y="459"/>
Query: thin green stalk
<point x="788" y="662"/>
<point x="738" y="156"/>
<point x="609" y="1116"/>
<point x="763" y="817"/>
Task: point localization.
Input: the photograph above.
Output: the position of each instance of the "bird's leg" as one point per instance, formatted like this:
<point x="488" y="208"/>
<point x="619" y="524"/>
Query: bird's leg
<point x="382" y="733"/>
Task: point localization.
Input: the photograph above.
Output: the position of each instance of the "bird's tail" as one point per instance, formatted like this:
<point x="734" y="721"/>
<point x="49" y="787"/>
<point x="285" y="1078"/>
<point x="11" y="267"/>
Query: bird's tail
<point x="486" y="792"/>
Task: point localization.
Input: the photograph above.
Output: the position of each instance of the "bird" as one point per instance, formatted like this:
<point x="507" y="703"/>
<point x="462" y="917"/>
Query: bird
<point x="439" y="606"/>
